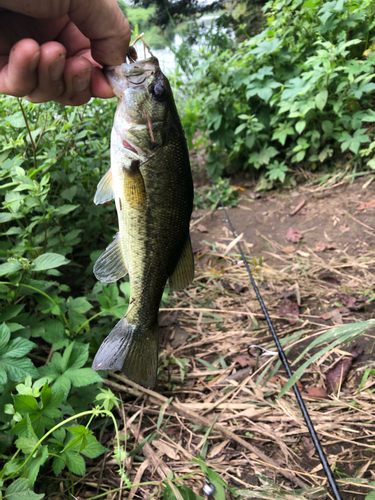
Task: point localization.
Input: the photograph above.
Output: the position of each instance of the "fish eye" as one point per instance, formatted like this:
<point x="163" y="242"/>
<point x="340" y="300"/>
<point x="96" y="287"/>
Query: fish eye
<point x="158" y="92"/>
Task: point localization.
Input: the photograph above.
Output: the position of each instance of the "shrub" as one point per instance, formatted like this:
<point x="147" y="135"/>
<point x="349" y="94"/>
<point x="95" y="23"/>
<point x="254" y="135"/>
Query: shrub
<point x="51" y="160"/>
<point x="300" y="91"/>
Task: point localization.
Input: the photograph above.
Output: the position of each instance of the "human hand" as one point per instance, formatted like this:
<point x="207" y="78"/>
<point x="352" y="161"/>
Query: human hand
<point x="53" y="50"/>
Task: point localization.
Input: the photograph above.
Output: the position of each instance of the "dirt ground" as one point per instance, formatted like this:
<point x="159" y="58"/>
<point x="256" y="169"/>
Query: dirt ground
<point x="335" y="229"/>
<point x="329" y="216"/>
<point x="220" y="405"/>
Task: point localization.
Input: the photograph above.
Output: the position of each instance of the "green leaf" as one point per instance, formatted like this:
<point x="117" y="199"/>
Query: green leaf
<point x="266" y="47"/>
<point x="76" y="462"/>
<point x="16" y="120"/>
<point x="13" y="364"/>
<point x="282" y="132"/>
<point x="93" y="448"/>
<point x="80" y="304"/>
<point x="10" y="312"/>
<point x="107" y="399"/>
<point x="25" y="404"/>
<point x="294" y="87"/>
<point x="338" y="336"/>
<point x="49" y="261"/>
<point x="185" y="492"/>
<point x="300" y="126"/>
<point x="77" y="439"/>
<point x="31" y="469"/>
<point x="321" y="99"/>
<point x="59" y="435"/>
<point x="83" y="376"/>
<point x="327" y="127"/>
<point x="18" y="369"/>
<point x="41" y="415"/>
<point x="54" y="331"/>
<point x="299" y="156"/>
<point x="19" y="490"/>
<point x="65" y="209"/>
<point x="77" y="307"/>
<point x="65" y="370"/>
<point x="10" y="267"/>
<point x="79" y="355"/>
<point x="51" y="402"/>
<point x="369" y="116"/>
<point x="111" y="292"/>
<point x="353" y="143"/>
<point x="125" y="288"/>
<point x="17" y="348"/>
<point x="57" y="465"/>
<point x="26" y="444"/>
<point x="62" y="384"/>
<point x="240" y="128"/>
<point x="69" y="194"/>
<point x="4" y="337"/>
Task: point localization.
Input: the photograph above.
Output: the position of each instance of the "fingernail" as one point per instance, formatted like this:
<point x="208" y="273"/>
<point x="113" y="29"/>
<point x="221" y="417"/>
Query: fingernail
<point x="33" y="63"/>
<point x="82" y="80"/>
<point x="56" y="69"/>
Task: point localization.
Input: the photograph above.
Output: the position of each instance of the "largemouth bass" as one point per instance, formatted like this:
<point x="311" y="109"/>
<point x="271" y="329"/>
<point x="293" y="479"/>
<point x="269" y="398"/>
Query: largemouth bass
<point x="150" y="181"/>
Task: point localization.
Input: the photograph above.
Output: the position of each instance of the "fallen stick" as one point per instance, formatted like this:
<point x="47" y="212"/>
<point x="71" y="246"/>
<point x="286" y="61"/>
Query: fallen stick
<point x="298" y="208"/>
<point x="196" y="418"/>
<point x="159" y="465"/>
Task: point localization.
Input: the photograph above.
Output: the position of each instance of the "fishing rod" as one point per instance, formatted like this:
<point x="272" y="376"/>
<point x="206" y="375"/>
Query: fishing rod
<point x="306" y="416"/>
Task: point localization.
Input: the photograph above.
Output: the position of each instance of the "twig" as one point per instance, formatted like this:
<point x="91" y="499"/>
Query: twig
<point x="298" y="208"/>
<point x="196" y="418"/>
<point x="28" y="130"/>
<point x="359" y="222"/>
<point x="200" y="219"/>
<point x="138" y="478"/>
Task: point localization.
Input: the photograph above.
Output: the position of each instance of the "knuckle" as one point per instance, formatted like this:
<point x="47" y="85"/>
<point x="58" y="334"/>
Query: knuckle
<point x="74" y="99"/>
<point x="52" y="93"/>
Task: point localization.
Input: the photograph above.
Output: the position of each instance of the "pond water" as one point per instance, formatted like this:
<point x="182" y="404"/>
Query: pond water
<point x="166" y="56"/>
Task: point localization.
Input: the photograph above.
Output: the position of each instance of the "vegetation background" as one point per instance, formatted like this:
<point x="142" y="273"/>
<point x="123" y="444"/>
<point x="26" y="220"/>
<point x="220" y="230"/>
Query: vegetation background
<point x="275" y="90"/>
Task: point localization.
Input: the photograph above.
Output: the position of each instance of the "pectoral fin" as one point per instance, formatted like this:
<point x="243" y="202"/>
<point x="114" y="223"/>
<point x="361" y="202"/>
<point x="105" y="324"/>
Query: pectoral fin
<point x="184" y="271"/>
<point x="111" y="266"/>
<point x="104" y="191"/>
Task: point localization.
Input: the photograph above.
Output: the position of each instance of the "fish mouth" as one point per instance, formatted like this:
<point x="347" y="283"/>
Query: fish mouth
<point x="136" y="73"/>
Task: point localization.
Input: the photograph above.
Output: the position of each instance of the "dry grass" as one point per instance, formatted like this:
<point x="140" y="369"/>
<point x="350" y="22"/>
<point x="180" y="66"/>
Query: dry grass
<point x="207" y="405"/>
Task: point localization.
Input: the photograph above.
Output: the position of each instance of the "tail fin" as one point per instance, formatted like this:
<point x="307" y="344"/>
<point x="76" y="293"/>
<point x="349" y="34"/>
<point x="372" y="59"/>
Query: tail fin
<point x="131" y="349"/>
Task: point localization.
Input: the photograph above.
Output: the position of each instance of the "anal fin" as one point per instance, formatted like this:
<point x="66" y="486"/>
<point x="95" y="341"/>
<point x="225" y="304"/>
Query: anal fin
<point x="184" y="271"/>
<point x="110" y="265"/>
<point x="104" y="191"/>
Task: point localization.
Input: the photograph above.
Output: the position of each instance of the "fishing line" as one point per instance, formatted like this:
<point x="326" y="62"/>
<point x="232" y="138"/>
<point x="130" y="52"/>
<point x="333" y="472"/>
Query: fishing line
<point x="284" y="361"/>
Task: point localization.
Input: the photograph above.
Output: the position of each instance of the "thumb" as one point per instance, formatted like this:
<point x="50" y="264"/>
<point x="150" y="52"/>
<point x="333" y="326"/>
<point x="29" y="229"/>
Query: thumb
<point x="103" y="22"/>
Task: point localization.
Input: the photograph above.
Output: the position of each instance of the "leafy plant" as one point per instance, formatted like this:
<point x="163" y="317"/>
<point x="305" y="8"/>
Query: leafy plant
<point x="208" y="195"/>
<point x="40" y="439"/>
<point x="298" y="92"/>
<point x="51" y="160"/>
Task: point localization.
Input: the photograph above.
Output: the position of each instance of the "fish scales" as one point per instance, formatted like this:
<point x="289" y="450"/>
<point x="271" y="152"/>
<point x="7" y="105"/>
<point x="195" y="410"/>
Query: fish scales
<point x="150" y="180"/>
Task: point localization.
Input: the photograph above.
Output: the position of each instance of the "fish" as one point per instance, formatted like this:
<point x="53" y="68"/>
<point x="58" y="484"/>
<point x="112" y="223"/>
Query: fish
<point x="151" y="182"/>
